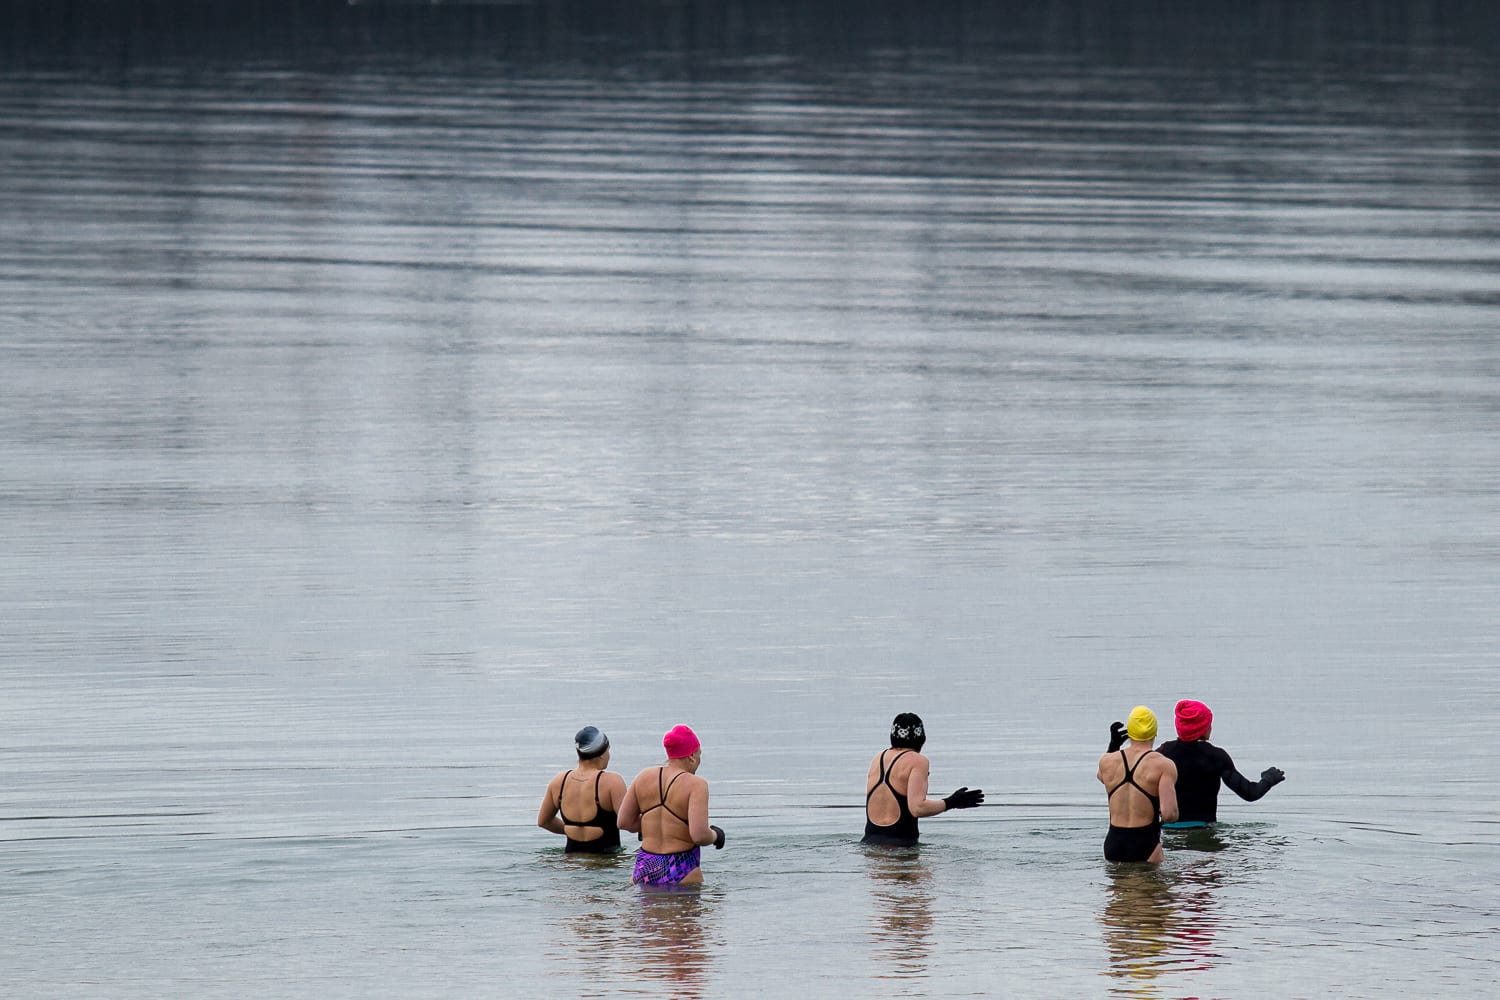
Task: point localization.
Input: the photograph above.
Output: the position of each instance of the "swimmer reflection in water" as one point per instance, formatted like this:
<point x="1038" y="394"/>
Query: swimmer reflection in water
<point x="1142" y="790"/>
<point x="1158" y="922"/>
<point x="896" y="788"/>
<point x="673" y="942"/>
<point x="903" y="921"/>
<point x="668" y="807"/>
<point x="581" y="803"/>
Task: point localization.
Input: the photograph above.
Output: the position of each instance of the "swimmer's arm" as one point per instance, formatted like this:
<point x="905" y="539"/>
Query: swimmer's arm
<point x="698" y="827"/>
<point x="612" y="791"/>
<point x="1237" y="782"/>
<point x="546" y="816"/>
<point x="916" y="790"/>
<point x="1166" y="791"/>
<point x="629" y="818"/>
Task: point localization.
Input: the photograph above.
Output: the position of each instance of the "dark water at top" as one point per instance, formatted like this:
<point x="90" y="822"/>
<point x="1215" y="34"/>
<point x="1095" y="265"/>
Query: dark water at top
<point x="390" y="390"/>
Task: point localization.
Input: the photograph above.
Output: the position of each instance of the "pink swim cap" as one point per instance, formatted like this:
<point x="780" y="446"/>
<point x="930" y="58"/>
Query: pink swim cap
<point x="1193" y="720"/>
<point x="680" y="742"/>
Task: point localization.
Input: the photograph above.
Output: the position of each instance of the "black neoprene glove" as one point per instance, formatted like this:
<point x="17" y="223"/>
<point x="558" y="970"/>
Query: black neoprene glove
<point x="1117" y="736"/>
<point x="964" y="798"/>
<point x="718" y="840"/>
<point x="1272" y="776"/>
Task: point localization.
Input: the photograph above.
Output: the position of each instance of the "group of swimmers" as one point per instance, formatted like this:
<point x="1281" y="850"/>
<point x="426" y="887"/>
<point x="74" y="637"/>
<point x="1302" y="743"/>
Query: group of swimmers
<point x="1176" y="786"/>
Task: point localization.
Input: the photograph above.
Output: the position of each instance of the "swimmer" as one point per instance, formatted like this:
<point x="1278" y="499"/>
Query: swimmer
<point x="565" y="808"/>
<point x="1136" y="813"/>
<point x="1201" y="766"/>
<point x="896" y="788"/>
<point x="668" y="806"/>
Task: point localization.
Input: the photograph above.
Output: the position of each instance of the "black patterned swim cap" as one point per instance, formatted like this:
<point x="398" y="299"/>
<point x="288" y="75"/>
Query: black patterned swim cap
<point x="907" y="731"/>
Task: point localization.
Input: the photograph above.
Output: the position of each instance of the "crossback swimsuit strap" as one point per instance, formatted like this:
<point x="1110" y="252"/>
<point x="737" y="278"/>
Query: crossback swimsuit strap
<point x="904" y="830"/>
<point x="885" y="779"/>
<point x="663" y="793"/>
<point x="1130" y="779"/>
<point x="574" y="822"/>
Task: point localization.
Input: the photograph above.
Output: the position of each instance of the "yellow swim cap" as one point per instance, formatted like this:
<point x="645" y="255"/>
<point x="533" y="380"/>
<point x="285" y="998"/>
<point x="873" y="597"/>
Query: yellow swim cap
<point x="1142" y="724"/>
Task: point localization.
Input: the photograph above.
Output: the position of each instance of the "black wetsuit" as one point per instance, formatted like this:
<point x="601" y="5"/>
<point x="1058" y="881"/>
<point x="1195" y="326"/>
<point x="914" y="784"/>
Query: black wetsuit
<point x="1200" y="767"/>
<point x="604" y="819"/>
<point x="1133" y="843"/>
<point x="903" y="832"/>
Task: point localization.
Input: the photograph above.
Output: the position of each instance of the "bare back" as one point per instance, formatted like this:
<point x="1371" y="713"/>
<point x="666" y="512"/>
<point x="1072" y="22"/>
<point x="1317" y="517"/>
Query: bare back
<point x="906" y="774"/>
<point x="1134" y="777"/>
<point x="574" y="792"/>
<point x="670" y="806"/>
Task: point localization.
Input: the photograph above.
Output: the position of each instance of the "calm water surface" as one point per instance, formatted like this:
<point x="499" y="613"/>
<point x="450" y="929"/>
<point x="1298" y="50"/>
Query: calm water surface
<point x="379" y="409"/>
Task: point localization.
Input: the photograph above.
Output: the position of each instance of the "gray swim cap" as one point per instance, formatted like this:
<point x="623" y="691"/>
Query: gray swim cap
<point x="590" y="742"/>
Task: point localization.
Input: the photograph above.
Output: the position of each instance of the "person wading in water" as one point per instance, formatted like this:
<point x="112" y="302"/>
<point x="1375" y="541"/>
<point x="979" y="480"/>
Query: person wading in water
<point x="896" y="788"/>
<point x="1142" y="790"/>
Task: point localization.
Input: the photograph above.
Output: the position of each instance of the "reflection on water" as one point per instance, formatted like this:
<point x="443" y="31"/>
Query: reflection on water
<point x="1159" y="919"/>
<point x="902" y="925"/>
<point x="586" y="938"/>
<point x="600" y="929"/>
<point x="1206" y="839"/>
<point x="675" y="934"/>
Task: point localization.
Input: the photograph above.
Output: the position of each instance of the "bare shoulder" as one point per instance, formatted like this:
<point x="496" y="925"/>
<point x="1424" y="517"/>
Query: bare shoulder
<point x="614" y="789"/>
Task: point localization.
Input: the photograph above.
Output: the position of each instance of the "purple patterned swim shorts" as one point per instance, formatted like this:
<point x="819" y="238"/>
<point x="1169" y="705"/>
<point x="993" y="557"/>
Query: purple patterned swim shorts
<point x="664" y="869"/>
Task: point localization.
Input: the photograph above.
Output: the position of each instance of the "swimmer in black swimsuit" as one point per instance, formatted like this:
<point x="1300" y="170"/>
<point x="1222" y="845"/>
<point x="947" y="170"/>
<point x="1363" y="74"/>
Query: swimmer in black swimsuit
<point x="1201" y="766"/>
<point x="896" y="788"/>
<point x="1135" y="817"/>
<point x="565" y="807"/>
<point x="604" y="821"/>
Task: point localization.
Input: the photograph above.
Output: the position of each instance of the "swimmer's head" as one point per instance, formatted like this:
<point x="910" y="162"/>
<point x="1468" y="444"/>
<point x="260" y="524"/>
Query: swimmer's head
<point x="1141" y="726"/>
<point x="590" y="742"/>
<point x="907" y="732"/>
<point x="1194" y="720"/>
<point x="680" y="742"/>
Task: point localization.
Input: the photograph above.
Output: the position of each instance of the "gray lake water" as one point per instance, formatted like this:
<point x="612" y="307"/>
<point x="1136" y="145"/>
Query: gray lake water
<point x="389" y="392"/>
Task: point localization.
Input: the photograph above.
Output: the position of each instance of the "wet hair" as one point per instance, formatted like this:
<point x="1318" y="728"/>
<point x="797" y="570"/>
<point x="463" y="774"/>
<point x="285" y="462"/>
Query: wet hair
<point x="590" y="742"/>
<point x="907" y="731"/>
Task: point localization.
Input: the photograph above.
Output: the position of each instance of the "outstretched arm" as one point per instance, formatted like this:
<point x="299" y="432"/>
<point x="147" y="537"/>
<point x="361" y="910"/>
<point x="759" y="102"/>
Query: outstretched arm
<point x="916" y="790"/>
<point x="920" y="805"/>
<point x="1243" y="786"/>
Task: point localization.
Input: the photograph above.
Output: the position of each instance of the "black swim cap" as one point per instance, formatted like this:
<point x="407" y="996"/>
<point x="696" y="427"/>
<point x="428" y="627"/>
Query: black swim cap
<point x="907" y="731"/>
<point x="590" y="742"/>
